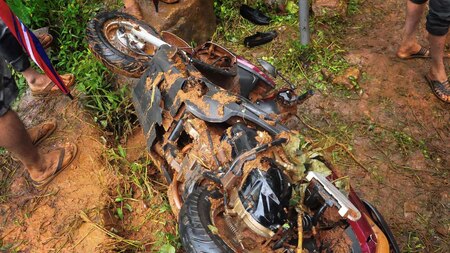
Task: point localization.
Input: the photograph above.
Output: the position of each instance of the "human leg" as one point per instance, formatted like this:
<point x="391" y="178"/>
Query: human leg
<point x="437" y="69"/>
<point x="438" y="23"/>
<point x="409" y="44"/>
<point x="15" y="139"/>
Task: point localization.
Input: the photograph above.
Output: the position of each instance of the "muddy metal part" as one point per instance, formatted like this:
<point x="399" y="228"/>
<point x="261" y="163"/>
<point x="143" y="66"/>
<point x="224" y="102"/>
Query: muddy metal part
<point x="346" y="208"/>
<point x="215" y="58"/>
<point x="238" y="209"/>
<point x="148" y="97"/>
<point x="232" y="178"/>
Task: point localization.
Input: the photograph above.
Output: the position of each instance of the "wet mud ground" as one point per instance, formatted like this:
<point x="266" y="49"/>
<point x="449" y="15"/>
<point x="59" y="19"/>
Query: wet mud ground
<point x="396" y="128"/>
<point x="397" y="131"/>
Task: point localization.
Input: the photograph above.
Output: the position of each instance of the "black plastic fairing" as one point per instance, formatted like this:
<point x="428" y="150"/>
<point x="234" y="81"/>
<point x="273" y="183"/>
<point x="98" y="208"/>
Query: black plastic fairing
<point x="265" y="195"/>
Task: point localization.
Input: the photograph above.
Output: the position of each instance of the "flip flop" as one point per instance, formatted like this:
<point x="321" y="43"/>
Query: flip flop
<point x="40" y="135"/>
<point x="60" y="166"/>
<point x="422" y="53"/>
<point x="440" y="89"/>
<point x="51" y="87"/>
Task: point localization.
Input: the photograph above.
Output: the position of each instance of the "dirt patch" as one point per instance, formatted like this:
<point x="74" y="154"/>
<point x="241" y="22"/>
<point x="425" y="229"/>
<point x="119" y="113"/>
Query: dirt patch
<point x="45" y="221"/>
<point x="78" y="211"/>
<point x="395" y="127"/>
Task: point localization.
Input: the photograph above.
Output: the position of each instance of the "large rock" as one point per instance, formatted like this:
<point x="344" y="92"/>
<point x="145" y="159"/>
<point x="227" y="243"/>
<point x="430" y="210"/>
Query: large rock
<point x="192" y="20"/>
<point x="329" y="8"/>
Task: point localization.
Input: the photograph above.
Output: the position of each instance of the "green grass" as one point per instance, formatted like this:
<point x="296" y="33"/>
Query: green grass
<point x="111" y="106"/>
<point x="67" y="21"/>
<point x="136" y="186"/>
<point x="7" y="172"/>
<point x="10" y="247"/>
<point x="303" y="64"/>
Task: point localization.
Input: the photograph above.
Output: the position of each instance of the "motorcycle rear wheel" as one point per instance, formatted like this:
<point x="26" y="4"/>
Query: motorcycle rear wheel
<point x="111" y="42"/>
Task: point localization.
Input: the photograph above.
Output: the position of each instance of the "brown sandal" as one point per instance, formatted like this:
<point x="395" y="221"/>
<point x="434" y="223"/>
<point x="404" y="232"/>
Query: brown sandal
<point x="68" y="79"/>
<point x="45" y="39"/>
<point x="39" y="133"/>
<point x="61" y="163"/>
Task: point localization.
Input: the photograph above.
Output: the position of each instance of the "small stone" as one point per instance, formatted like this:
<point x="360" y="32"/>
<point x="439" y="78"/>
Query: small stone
<point x="410" y="209"/>
<point x="279" y="5"/>
<point x="350" y="76"/>
<point x="443" y="230"/>
<point x="364" y="95"/>
<point x="355" y="58"/>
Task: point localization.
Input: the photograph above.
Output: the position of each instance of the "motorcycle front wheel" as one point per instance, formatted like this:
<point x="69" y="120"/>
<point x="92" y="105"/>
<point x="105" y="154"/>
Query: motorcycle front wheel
<point x="195" y="224"/>
<point x="111" y="41"/>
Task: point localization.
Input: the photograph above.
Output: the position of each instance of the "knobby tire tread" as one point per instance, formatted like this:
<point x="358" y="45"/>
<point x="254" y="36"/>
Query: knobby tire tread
<point x="194" y="219"/>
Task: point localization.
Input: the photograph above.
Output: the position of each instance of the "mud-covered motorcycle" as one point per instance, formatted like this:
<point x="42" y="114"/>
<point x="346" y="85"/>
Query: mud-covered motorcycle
<point x="238" y="178"/>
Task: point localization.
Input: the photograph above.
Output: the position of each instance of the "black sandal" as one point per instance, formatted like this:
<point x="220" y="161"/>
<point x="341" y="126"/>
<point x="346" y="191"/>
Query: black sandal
<point x="422" y="53"/>
<point x="440" y="89"/>
<point x="260" y="38"/>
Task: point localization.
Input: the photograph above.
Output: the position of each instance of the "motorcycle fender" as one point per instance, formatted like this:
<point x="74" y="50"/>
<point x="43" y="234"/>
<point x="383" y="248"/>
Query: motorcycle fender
<point x="147" y="103"/>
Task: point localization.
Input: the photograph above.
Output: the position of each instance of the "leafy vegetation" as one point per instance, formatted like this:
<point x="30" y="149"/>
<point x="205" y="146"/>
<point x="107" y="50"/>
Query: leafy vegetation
<point x="67" y="21"/>
<point x="136" y="186"/>
<point x="301" y="63"/>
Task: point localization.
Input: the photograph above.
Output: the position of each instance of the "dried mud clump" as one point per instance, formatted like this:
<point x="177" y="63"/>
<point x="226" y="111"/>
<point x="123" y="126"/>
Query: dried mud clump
<point x="335" y="239"/>
<point x="223" y="98"/>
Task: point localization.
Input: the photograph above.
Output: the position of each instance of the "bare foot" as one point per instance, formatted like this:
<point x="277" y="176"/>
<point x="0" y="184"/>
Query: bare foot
<point x="53" y="163"/>
<point x="406" y="50"/>
<point x="38" y="82"/>
<point x="41" y="83"/>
